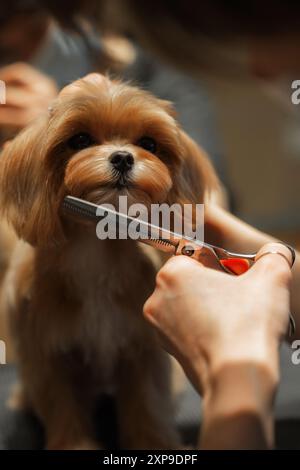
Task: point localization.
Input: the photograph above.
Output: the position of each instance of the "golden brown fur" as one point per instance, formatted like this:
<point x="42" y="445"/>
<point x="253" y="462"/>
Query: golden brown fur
<point x="76" y="302"/>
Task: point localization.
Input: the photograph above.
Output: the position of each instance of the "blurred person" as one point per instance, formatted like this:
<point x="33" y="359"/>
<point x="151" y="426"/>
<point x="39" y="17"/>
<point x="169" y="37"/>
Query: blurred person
<point x="200" y="36"/>
<point x="38" y="58"/>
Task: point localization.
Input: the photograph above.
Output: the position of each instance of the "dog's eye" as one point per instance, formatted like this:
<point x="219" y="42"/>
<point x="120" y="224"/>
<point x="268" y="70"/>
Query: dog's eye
<point x="147" y="143"/>
<point x="80" y="141"/>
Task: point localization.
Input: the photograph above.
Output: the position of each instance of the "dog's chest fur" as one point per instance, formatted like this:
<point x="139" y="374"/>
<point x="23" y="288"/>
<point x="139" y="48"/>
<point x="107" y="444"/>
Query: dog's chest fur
<point x="84" y="301"/>
<point x="112" y="279"/>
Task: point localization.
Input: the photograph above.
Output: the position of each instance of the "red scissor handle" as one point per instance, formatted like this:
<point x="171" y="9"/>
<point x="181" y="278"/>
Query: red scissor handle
<point x="235" y="265"/>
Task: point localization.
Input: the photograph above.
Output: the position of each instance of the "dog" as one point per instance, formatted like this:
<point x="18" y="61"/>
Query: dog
<point x="75" y="302"/>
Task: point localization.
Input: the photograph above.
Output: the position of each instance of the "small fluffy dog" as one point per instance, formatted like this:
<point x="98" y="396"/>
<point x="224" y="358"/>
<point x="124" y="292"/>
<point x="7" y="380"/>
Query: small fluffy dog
<point x="75" y="302"/>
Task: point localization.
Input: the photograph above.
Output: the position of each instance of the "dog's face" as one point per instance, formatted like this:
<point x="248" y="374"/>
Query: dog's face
<point x="116" y="140"/>
<point x="101" y="139"/>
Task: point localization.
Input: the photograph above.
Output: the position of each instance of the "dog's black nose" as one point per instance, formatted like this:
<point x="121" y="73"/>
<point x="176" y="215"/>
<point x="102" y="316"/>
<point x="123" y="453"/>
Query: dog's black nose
<point x="122" y="161"/>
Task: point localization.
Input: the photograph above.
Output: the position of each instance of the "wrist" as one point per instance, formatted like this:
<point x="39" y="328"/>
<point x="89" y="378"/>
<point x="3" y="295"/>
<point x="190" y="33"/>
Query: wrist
<point x="237" y="406"/>
<point x="242" y="384"/>
<point x="238" y="394"/>
<point x="258" y="354"/>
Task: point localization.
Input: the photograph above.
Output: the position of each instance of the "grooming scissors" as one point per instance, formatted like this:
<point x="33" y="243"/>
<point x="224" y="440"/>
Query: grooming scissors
<point x="167" y="241"/>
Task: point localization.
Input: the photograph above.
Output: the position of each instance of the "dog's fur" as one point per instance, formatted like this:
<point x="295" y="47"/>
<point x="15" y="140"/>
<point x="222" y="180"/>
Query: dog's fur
<point x="75" y="301"/>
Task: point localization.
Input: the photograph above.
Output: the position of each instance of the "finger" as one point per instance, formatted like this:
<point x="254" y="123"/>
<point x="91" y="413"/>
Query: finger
<point x="28" y="78"/>
<point x="14" y="117"/>
<point x="176" y="271"/>
<point x="155" y="314"/>
<point x="273" y="259"/>
<point x="19" y="97"/>
<point x="150" y="308"/>
<point x="276" y="249"/>
<point x="19" y="72"/>
<point x="177" y="263"/>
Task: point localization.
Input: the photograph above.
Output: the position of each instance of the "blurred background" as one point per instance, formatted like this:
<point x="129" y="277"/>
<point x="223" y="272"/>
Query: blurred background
<point x="241" y="113"/>
<point x="229" y="75"/>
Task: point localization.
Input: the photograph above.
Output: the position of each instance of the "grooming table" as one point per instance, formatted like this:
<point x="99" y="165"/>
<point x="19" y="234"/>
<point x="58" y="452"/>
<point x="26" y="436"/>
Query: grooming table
<point x="20" y="430"/>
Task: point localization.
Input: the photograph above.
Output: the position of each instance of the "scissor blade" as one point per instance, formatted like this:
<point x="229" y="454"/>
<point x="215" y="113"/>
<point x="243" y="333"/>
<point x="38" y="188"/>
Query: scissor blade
<point x="159" y="237"/>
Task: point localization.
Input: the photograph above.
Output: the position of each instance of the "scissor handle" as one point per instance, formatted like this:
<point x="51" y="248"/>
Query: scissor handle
<point x="216" y="258"/>
<point x="236" y="266"/>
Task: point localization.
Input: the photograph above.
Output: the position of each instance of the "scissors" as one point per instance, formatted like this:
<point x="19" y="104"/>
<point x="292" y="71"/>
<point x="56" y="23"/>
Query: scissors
<point x="167" y="241"/>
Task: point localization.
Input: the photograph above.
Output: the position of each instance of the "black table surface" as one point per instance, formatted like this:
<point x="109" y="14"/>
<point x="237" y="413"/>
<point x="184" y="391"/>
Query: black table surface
<point x="22" y="430"/>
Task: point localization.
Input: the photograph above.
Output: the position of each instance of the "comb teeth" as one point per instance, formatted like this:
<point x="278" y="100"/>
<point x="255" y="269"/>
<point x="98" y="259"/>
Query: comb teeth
<point x="160" y="241"/>
<point x="79" y="210"/>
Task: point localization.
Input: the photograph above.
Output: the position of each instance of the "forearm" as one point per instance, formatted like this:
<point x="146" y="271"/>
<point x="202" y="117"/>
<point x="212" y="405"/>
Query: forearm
<point x="231" y="233"/>
<point x="295" y="295"/>
<point x="225" y="331"/>
<point x="238" y="409"/>
<point x="238" y="395"/>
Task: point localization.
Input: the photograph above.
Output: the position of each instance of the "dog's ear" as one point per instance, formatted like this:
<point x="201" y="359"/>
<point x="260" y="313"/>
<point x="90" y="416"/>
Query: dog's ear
<point x="197" y="178"/>
<point x="29" y="193"/>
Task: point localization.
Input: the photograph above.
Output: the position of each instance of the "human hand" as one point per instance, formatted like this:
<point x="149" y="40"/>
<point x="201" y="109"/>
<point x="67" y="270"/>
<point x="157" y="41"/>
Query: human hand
<point x="208" y="319"/>
<point x="28" y="94"/>
<point x="226" y="230"/>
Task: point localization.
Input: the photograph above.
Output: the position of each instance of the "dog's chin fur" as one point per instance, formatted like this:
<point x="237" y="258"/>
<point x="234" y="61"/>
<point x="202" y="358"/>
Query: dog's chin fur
<point x="75" y="302"/>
